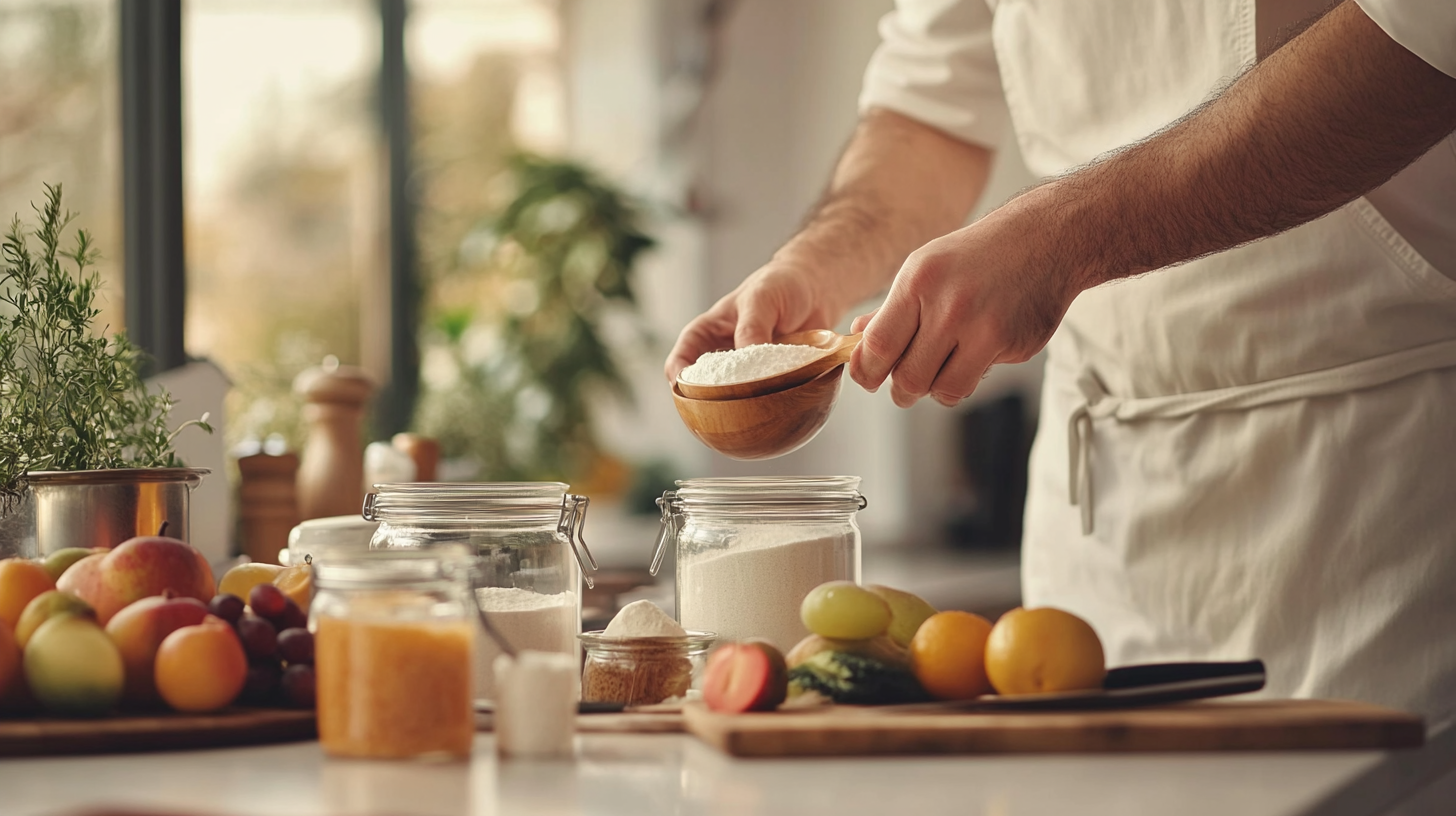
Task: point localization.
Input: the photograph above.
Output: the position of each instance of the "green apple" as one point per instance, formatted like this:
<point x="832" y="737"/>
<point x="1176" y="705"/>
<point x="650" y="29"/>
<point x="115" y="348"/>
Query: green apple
<point x="73" y="668"/>
<point x="907" y="612"/>
<point x="45" y="606"/>
<point x="61" y="560"/>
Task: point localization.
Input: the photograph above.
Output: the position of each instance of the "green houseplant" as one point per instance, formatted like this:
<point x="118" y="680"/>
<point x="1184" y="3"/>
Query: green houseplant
<point x="70" y="400"/>
<point x="513" y="372"/>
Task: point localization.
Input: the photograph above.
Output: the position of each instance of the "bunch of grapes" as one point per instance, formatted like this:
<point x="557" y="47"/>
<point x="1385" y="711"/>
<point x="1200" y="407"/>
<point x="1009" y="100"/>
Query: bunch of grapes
<point x="275" y="635"/>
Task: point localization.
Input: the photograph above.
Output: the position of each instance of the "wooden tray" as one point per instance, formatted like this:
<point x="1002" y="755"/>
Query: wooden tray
<point x="1257" y="725"/>
<point x="154" y="732"/>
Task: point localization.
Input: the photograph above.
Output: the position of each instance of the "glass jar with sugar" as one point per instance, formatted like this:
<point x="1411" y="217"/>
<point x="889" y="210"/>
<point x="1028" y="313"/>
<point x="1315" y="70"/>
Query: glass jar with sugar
<point x="523" y="541"/>
<point x="749" y="549"/>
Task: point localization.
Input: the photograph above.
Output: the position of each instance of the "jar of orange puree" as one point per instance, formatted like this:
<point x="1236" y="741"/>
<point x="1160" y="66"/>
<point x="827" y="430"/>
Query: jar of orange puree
<point x="394" y="641"/>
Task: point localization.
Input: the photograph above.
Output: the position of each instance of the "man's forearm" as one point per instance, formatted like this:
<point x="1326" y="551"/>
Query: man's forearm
<point x="899" y="184"/>
<point x="1328" y="117"/>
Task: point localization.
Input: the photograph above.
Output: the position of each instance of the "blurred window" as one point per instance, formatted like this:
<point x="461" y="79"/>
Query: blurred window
<point x="60" y="122"/>
<point x="286" y="175"/>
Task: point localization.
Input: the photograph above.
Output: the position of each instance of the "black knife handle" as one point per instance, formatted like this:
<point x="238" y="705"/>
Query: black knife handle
<point x="1152" y="674"/>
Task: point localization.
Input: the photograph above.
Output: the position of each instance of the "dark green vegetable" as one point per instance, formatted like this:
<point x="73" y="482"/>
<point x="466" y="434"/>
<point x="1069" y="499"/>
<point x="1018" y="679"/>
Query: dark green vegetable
<point x="854" y="679"/>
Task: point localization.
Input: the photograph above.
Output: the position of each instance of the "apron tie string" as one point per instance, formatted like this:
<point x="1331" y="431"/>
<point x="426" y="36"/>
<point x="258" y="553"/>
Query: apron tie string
<point x="1098" y="404"/>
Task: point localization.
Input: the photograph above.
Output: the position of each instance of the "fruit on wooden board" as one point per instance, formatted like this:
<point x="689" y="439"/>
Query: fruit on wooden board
<point x="948" y="655"/>
<point x="844" y="610"/>
<point x="297" y="583"/>
<point x="45" y="606"/>
<point x="10" y="672"/>
<point x="20" y="581"/>
<point x="745" y="676"/>
<point x="61" y="560"/>
<point x="907" y="612"/>
<point x="300" y="685"/>
<point x="881" y="647"/>
<point x="138" y="568"/>
<point x="201" y="668"/>
<point x="138" y="631"/>
<point x="855" y="679"/>
<point x="73" y="668"/>
<point x="1032" y="651"/>
<point x="238" y="580"/>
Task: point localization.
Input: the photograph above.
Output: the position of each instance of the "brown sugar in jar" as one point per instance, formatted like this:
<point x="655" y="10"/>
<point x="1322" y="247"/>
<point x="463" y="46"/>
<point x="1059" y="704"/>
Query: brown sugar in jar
<point x="642" y="670"/>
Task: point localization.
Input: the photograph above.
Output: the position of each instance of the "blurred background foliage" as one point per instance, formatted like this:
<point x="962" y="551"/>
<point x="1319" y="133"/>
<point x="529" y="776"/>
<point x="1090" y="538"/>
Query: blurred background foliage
<point x="520" y="342"/>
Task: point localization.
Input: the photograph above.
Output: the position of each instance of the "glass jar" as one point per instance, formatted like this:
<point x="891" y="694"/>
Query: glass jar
<point x="394" y="639"/>
<point x="641" y="670"/>
<point x="524" y="543"/>
<point x="749" y="549"/>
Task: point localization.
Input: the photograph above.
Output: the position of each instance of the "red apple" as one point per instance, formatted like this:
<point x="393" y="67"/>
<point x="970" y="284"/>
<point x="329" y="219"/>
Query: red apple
<point x="136" y="569"/>
<point x="138" y="631"/>
<point x="748" y="676"/>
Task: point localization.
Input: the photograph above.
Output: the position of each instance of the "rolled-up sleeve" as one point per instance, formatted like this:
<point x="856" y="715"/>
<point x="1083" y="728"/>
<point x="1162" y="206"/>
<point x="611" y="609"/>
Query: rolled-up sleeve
<point x="936" y="65"/>
<point x="1427" y="28"/>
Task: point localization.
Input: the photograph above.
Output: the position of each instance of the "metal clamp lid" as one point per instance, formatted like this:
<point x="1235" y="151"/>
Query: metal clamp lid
<point x="572" y="525"/>
<point x="671" y="507"/>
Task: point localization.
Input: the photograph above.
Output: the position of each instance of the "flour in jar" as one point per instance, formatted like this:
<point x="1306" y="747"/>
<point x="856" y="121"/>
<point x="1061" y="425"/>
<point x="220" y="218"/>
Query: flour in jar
<point x="754" y="587"/>
<point x="527" y="620"/>
<point x="748" y="363"/>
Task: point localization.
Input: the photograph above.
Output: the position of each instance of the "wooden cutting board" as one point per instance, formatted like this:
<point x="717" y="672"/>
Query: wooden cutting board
<point x="1257" y="725"/>
<point x="155" y="732"/>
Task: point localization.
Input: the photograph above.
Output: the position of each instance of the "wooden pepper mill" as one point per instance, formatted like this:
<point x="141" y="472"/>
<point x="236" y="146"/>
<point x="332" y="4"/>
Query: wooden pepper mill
<point x="267" y="503"/>
<point x="331" y="478"/>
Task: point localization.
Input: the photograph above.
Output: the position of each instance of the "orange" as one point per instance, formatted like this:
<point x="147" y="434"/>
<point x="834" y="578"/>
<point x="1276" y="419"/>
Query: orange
<point x="947" y="655"/>
<point x="201" y="667"/>
<point x="297" y="583"/>
<point x="1031" y="651"/>
<point x="20" y="581"/>
<point x="9" y="661"/>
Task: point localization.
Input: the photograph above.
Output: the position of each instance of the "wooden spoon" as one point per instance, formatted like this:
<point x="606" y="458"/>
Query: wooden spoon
<point x="837" y="348"/>
<point x="762" y="427"/>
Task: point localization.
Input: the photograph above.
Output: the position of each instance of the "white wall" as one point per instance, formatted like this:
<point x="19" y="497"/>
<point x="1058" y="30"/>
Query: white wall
<point x="782" y="106"/>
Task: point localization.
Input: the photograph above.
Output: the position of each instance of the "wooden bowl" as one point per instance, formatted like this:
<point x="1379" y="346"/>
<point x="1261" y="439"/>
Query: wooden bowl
<point x="762" y="427"/>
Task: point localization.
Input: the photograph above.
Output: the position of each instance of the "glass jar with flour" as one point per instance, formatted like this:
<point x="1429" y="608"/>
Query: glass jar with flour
<point x="749" y="549"/>
<point x="523" y="542"/>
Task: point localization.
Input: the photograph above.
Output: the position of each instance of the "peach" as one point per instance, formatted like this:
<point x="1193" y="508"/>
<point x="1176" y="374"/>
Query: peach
<point x="202" y="667"/>
<point x="138" y="631"/>
<point x="45" y="606"/>
<point x="83" y="579"/>
<point x="138" y="568"/>
<point x="20" y="581"/>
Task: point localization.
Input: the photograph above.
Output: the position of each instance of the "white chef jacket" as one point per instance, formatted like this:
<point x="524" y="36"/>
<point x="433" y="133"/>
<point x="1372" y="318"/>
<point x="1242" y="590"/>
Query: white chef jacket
<point x="1251" y="454"/>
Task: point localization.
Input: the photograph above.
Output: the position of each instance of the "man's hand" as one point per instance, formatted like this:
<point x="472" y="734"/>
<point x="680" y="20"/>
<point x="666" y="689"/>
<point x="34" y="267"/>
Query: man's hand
<point x="899" y="184"/>
<point x="779" y="298"/>
<point x="977" y="297"/>
<point x="1331" y="115"/>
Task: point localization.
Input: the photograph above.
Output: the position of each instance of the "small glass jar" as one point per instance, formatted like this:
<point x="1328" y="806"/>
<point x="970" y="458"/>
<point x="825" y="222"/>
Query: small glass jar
<point x="641" y="670"/>
<point x="394" y="639"/>
<point x="749" y="549"/>
<point x="524" y="543"/>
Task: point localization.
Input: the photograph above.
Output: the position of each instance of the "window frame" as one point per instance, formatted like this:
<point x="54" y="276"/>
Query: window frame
<point x="154" y="267"/>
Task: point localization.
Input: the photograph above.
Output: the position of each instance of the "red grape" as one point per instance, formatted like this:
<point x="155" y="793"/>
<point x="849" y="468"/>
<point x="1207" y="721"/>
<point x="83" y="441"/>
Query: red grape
<point x="260" y="639"/>
<point x="296" y="646"/>
<point x="227" y="607"/>
<point x="261" y="682"/>
<point x="299" y="685"/>
<point x="267" y="600"/>
<point x="291" y="617"/>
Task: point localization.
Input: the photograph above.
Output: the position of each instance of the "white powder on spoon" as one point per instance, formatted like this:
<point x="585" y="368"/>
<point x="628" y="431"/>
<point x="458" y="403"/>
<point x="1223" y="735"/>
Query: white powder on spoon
<point x="748" y="363"/>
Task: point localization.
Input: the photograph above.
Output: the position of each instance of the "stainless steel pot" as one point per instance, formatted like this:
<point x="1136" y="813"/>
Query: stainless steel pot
<point x="102" y="508"/>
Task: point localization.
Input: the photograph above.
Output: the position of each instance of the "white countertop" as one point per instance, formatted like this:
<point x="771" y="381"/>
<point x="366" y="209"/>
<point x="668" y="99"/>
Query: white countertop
<point x="650" y="774"/>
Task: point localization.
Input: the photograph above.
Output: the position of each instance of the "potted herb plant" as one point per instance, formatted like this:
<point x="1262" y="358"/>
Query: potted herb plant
<point x="84" y="446"/>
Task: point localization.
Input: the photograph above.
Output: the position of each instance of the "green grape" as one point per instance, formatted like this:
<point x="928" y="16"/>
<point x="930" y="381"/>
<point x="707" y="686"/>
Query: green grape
<point x="844" y="610"/>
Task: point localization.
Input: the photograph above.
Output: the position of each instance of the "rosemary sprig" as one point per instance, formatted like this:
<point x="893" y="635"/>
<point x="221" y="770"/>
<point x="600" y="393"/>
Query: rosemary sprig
<point x="69" y="400"/>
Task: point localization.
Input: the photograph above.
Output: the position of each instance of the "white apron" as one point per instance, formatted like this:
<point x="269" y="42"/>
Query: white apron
<point x="1250" y="455"/>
